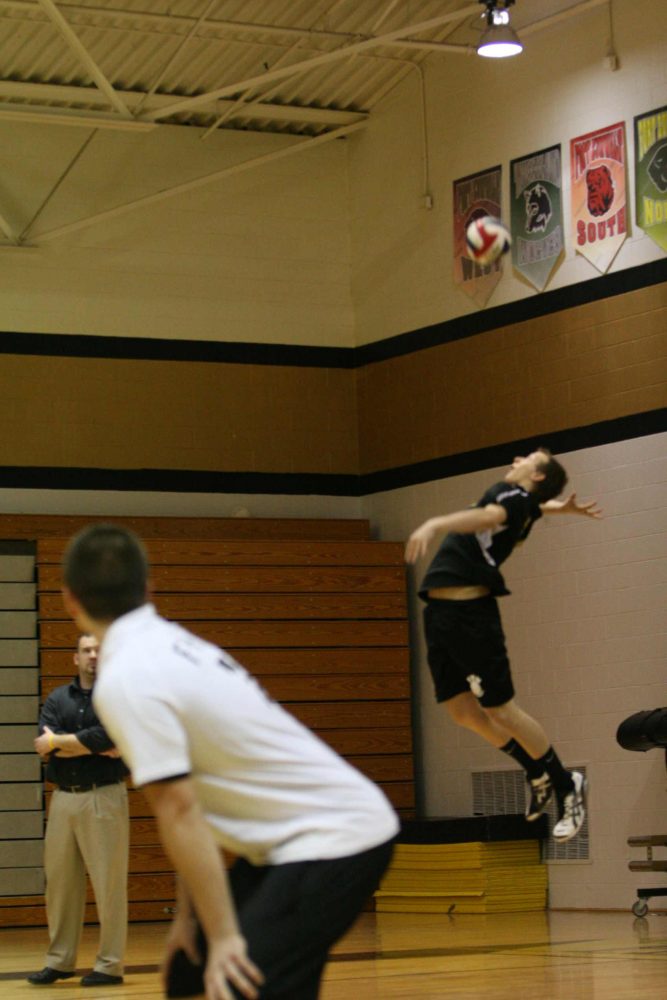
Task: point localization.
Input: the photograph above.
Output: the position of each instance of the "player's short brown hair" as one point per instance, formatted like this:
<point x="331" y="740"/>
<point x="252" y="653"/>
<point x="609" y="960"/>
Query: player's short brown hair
<point x="555" y="478"/>
<point x="106" y="569"/>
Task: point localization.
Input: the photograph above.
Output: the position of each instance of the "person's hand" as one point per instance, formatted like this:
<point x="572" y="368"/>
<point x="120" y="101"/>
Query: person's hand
<point x="43" y="745"/>
<point x="589" y="508"/>
<point x="110" y="753"/>
<point x="418" y="542"/>
<point x="228" y="962"/>
<point x="182" y="936"/>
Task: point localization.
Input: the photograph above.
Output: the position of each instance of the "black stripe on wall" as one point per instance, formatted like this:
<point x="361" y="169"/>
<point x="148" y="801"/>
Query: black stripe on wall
<point x="177" y="481"/>
<point x="542" y="304"/>
<point x="324" y="484"/>
<point x="155" y="349"/>
<point x="558" y="442"/>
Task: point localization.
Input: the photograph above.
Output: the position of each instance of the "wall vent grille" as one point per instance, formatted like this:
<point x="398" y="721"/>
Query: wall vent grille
<point x="499" y="793"/>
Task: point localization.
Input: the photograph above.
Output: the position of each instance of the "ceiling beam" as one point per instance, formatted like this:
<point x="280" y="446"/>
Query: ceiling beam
<point x="283" y="72"/>
<point x="84" y="56"/>
<point x="409" y="43"/>
<point x="574" y="11"/>
<point x="8" y="231"/>
<point x="177" y="51"/>
<point x="181" y="23"/>
<point x="91" y="15"/>
<point x="294" y="147"/>
<point x="42" y="93"/>
<point x="42" y="115"/>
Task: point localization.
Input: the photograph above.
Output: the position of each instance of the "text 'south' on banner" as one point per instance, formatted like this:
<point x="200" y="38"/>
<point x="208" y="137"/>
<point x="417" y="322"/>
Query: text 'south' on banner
<point x="651" y="174"/>
<point x="475" y="196"/>
<point x="537" y="214"/>
<point x="597" y="176"/>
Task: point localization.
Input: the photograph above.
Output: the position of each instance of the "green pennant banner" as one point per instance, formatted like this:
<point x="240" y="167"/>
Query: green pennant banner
<point x="537" y="214"/>
<point x="651" y="174"/>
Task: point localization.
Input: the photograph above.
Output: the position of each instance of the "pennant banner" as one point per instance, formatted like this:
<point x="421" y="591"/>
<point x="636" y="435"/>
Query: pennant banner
<point x="475" y="196"/>
<point x="537" y="214"/>
<point x="651" y="174"/>
<point x="597" y="175"/>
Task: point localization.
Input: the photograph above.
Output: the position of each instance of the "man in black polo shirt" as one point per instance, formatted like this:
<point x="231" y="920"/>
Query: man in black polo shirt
<point x="88" y="828"/>
<point x="464" y="635"/>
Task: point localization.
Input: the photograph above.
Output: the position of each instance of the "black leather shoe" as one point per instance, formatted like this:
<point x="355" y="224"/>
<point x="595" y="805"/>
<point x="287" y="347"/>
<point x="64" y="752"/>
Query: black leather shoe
<point x="48" y="976"/>
<point x="101" y="979"/>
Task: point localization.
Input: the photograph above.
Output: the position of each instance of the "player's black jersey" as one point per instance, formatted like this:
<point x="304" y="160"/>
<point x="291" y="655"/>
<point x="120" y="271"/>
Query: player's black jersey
<point x="473" y="559"/>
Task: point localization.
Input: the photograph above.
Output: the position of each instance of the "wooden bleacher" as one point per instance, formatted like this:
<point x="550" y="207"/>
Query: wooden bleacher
<point x="315" y="609"/>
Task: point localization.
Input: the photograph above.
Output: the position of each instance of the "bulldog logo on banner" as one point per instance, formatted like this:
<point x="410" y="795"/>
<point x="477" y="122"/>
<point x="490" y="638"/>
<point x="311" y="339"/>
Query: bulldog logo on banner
<point x="537" y="214"/>
<point x="475" y="196"/>
<point x="651" y="174"/>
<point x="597" y="174"/>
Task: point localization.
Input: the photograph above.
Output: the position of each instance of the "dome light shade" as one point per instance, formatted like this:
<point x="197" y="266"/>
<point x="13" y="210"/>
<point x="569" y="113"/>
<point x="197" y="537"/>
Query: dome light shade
<point x="498" y="42"/>
<point x="499" y="39"/>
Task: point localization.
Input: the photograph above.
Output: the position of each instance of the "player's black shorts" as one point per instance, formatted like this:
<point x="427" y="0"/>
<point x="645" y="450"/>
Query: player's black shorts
<point x="466" y="650"/>
<point x="290" y="915"/>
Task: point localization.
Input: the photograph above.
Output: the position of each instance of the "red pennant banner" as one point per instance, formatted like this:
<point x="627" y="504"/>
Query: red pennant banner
<point x="599" y="210"/>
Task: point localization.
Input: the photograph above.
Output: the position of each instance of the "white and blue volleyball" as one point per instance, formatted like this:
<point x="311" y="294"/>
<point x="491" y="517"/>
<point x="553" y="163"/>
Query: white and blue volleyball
<point x="487" y="239"/>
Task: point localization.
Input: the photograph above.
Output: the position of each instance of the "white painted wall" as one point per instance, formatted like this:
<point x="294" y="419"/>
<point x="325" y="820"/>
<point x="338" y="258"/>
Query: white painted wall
<point x="587" y="638"/>
<point x="328" y="247"/>
<point x="265" y="257"/>
<point x="110" y="503"/>
<point x="480" y="113"/>
<point x="585" y="623"/>
<point x="261" y="256"/>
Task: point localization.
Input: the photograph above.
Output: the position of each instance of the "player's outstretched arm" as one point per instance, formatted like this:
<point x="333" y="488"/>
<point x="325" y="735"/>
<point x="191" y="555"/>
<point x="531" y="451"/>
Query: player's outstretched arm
<point x="465" y="522"/>
<point x="586" y="508"/>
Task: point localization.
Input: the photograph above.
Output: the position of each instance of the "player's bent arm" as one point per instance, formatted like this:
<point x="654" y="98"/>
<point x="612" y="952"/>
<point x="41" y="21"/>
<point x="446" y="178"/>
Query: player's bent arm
<point x="191" y="847"/>
<point x="465" y="522"/>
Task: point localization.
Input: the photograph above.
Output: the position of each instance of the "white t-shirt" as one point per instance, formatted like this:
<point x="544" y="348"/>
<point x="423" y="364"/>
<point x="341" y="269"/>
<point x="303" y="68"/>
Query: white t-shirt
<point x="269" y="788"/>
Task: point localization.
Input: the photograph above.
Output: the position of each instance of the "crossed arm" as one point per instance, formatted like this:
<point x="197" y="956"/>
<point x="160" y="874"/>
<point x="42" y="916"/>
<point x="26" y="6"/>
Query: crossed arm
<point x="66" y="745"/>
<point x="93" y="740"/>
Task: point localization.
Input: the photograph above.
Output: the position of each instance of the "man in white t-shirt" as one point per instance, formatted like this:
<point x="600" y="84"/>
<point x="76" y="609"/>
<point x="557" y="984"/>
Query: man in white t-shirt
<point x="222" y="765"/>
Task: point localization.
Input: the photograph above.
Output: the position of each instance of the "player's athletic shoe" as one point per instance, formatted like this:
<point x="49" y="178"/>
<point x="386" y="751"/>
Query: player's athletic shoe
<point x="541" y="791"/>
<point x="572" y="810"/>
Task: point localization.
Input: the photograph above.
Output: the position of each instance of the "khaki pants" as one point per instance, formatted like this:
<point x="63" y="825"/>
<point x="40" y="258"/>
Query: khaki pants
<point x="87" y="830"/>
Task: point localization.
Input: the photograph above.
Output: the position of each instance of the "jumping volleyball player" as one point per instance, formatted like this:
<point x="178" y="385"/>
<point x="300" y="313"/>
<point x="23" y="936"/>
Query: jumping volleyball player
<point x="464" y="635"/>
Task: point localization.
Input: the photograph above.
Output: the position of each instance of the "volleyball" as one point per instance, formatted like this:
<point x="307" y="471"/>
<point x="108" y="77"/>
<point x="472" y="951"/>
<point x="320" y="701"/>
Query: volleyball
<point x="487" y="239"/>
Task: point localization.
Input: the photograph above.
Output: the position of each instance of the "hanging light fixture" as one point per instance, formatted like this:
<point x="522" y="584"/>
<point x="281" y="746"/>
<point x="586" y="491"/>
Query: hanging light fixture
<point x="499" y="40"/>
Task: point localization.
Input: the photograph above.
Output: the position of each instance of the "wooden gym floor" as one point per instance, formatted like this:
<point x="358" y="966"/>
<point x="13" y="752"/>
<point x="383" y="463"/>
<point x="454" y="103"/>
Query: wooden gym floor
<point x="550" y="956"/>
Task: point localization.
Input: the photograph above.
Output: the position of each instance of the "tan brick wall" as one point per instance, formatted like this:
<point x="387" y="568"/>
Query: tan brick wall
<point x="573" y="368"/>
<point x="128" y="414"/>
<point x="577" y="367"/>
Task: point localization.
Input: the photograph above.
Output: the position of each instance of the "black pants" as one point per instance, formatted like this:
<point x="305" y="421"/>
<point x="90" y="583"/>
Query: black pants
<point x="290" y="916"/>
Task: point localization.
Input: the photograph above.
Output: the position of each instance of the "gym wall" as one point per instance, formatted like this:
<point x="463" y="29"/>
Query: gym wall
<point x="335" y="252"/>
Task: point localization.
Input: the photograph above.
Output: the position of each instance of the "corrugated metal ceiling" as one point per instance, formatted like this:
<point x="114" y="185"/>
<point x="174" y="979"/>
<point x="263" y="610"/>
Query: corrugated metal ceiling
<point x="229" y="63"/>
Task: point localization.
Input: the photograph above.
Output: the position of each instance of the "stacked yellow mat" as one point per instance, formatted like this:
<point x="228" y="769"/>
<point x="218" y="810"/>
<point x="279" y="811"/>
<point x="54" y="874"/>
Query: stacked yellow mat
<point x="464" y="878"/>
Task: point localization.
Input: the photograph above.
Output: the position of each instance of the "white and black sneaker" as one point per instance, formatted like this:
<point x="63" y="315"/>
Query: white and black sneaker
<point x="572" y="809"/>
<point x="541" y="792"/>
